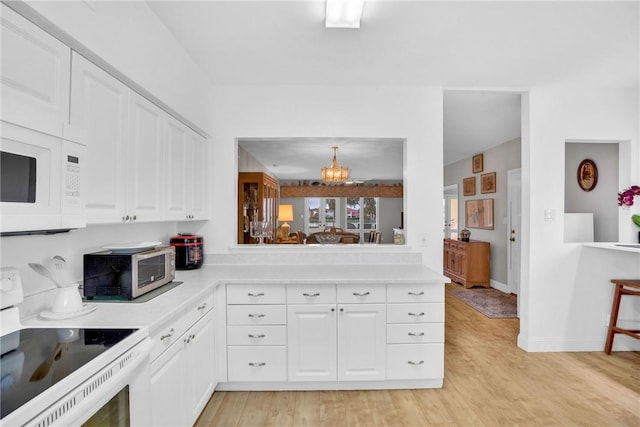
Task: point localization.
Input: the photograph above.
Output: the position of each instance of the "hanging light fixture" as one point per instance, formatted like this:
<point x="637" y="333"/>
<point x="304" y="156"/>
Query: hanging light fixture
<point x="335" y="173"/>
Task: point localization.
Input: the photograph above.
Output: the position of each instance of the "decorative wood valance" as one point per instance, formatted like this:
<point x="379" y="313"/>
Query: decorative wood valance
<point x="342" y="191"/>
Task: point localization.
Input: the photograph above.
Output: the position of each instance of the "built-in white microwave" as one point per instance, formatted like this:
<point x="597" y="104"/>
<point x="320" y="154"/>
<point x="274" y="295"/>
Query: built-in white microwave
<point x="41" y="182"/>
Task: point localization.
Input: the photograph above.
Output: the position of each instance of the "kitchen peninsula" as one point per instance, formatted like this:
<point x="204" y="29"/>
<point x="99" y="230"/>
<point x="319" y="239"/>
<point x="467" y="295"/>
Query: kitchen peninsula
<point x="373" y="327"/>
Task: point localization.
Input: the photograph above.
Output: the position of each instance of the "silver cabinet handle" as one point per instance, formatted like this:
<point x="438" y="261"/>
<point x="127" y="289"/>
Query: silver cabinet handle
<point x="364" y="294"/>
<point x="416" y="294"/>
<point x="316" y="294"/>
<point x="256" y="336"/>
<point x="260" y="294"/>
<point x="411" y="362"/>
<point x="256" y="364"/>
<point x="256" y="316"/>
<point x="202" y="307"/>
<point x="414" y="334"/>
<point x="416" y="314"/>
<point x="169" y="335"/>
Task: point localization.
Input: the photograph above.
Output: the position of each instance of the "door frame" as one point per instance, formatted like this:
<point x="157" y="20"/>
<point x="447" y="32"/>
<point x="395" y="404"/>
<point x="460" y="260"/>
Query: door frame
<point x="514" y="222"/>
<point x="447" y="194"/>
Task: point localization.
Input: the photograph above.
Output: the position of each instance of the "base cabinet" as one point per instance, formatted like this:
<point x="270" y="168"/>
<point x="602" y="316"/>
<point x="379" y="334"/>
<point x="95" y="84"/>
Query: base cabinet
<point x="183" y="374"/>
<point x="345" y="336"/>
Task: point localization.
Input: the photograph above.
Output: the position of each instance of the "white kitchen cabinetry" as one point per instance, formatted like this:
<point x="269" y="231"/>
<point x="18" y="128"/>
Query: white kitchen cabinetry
<point x="35" y="76"/>
<point x="100" y="107"/>
<point x="184" y="173"/>
<point x="256" y="341"/>
<point x="415" y="332"/>
<point x="182" y="368"/>
<point x="343" y="341"/>
<point x="146" y="160"/>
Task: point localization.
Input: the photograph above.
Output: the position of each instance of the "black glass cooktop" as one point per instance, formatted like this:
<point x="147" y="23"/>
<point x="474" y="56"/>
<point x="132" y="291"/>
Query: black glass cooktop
<point x="35" y="359"/>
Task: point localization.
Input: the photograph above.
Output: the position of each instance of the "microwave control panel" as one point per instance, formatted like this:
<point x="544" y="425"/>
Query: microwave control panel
<point x="74" y="154"/>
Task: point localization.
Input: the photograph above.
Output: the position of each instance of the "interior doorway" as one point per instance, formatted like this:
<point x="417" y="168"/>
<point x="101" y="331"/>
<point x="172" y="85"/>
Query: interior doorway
<point x="450" y="206"/>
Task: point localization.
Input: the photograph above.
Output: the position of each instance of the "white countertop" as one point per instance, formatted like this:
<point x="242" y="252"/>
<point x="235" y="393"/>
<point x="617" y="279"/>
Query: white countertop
<point x="615" y="246"/>
<point x="196" y="283"/>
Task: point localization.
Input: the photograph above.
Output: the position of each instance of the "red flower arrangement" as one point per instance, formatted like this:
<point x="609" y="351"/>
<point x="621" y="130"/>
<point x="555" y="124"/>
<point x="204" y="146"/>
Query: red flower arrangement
<point x="625" y="198"/>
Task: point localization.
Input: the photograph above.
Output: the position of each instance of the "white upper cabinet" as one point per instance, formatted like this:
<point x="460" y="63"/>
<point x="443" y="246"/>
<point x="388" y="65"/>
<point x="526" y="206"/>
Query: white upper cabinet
<point x="146" y="160"/>
<point x="197" y="177"/>
<point x="35" y="76"/>
<point x="185" y="173"/>
<point x="100" y="107"/>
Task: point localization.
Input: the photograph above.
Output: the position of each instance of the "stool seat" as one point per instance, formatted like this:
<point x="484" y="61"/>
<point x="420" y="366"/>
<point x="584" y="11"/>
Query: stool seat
<point x="622" y="287"/>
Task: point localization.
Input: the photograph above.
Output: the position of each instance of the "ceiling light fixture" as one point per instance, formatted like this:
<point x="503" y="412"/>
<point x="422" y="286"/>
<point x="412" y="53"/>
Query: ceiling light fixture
<point x="343" y="13"/>
<point x="335" y="173"/>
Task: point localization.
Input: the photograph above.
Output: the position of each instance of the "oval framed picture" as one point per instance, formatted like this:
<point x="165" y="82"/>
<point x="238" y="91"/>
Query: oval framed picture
<point x="587" y="175"/>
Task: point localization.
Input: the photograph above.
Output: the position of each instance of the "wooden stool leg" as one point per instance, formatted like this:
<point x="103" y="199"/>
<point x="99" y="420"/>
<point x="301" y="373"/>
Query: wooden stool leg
<point x="614" y="318"/>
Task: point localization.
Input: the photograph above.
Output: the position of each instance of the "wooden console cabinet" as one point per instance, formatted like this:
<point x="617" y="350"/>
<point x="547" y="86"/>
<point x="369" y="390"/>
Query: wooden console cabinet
<point x="258" y="197"/>
<point x="467" y="263"/>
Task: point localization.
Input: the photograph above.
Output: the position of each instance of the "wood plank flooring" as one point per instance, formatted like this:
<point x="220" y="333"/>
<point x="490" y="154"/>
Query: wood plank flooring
<point x="488" y="381"/>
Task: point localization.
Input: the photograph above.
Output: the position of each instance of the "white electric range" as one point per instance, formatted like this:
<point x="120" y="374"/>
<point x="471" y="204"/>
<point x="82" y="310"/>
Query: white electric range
<point x="69" y="376"/>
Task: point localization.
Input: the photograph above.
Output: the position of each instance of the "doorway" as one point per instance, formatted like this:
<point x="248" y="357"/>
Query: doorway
<point x="450" y="205"/>
<point x="514" y="222"/>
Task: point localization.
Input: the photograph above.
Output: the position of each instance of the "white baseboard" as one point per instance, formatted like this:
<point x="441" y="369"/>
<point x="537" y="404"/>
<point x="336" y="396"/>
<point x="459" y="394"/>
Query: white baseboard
<point x="560" y="344"/>
<point x="499" y="286"/>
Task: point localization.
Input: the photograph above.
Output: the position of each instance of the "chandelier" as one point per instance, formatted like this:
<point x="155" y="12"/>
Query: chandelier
<point x="335" y="173"/>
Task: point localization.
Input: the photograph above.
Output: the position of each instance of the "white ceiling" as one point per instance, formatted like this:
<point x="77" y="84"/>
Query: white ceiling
<point x="473" y="44"/>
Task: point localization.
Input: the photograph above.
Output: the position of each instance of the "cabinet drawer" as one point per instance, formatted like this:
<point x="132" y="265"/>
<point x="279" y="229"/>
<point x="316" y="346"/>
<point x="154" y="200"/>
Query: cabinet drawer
<point x="402" y="333"/>
<point x="167" y="335"/>
<point x="415" y="361"/>
<point x="256" y="315"/>
<point x="415" y="293"/>
<point x="365" y="293"/>
<point x="255" y="294"/>
<point x="415" y="313"/>
<point x="256" y="335"/>
<point x="200" y="308"/>
<point x="311" y="294"/>
<point x="257" y="363"/>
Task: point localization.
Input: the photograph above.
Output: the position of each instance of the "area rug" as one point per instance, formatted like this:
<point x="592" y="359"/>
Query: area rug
<point x="490" y="302"/>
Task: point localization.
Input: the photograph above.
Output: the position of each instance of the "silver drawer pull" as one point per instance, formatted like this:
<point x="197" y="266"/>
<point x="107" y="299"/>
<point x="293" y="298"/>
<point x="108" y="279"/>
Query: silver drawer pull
<point x="256" y="364"/>
<point x="416" y="314"/>
<point x="256" y="336"/>
<point x="260" y="294"/>
<point x="311" y="295"/>
<point x="202" y="307"/>
<point x="411" y="362"/>
<point x="364" y="294"/>
<point x="258" y="316"/>
<point x="413" y="334"/>
<point x="169" y="335"/>
<point x="416" y="294"/>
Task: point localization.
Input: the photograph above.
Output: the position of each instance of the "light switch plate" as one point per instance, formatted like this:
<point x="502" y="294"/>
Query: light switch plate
<point x="549" y="215"/>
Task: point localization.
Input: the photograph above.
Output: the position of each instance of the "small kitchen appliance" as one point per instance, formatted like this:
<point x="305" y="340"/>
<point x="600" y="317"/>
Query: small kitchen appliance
<point x="115" y="274"/>
<point x="189" y="248"/>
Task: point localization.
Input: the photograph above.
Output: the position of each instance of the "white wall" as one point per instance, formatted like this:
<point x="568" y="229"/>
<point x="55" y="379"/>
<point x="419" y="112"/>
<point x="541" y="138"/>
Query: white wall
<point x="410" y="113"/>
<point x="564" y="287"/>
<point x="498" y="159"/>
<point x="602" y="200"/>
<point x="131" y="38"/>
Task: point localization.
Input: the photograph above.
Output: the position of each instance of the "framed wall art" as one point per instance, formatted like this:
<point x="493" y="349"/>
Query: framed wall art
<point x="587" y="175"/>
<point x="479" y="214"/>
<point x="488" y="183"/>
<point x="477" y="163"/>
<point x="469" y="186"/>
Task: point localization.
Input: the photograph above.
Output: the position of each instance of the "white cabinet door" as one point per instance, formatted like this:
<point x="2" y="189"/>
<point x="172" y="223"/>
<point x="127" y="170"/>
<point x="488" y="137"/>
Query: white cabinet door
<point x="311" y="345"/>
<point x="100" y="109"/>
<point x="146" y="160"/>
<point x="361" y="342"/>
<point x="176" y="171"/>
<point x="200" y="366"/>
<point x="168" y="404"/>
<point x="35" y="76"/>
<point x="197" y="177"/>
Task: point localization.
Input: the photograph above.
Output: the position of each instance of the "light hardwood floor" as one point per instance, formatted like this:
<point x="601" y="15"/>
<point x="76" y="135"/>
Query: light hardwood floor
<point x="488" y="381"/>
